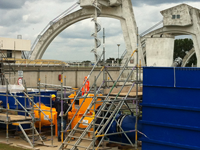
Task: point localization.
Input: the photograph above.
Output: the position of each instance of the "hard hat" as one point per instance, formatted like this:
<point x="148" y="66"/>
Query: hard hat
<point x="53" y="95"/>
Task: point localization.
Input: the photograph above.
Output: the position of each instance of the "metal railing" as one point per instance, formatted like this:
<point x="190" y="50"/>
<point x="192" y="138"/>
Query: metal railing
<point x="62" y="15"/>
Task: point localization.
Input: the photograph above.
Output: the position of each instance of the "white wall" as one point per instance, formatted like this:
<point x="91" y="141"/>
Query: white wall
<point x="159" y="52"/>
<point x="15" y="44"/>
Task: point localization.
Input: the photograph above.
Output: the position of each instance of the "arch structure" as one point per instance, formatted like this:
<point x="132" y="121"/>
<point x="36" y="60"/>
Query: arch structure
<point x="117" y="9"/>
<point x="179" y="20"/>
<point x="187" y="57"/>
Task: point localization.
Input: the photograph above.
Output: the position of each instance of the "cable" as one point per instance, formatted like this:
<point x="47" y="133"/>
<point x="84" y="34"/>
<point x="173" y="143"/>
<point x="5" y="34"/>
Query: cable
<point x="151" y="28"/>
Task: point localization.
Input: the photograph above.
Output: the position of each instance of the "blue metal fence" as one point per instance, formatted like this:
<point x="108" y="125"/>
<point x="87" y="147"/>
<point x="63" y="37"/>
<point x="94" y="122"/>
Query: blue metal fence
<point x="171" y="108"/>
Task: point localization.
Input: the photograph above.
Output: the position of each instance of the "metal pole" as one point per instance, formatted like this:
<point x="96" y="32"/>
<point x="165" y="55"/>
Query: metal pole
<point x="84" y="83"/>
<point x="40" y="122"/>
<point x="82" y="101"/>
<point x="95" y="34"/>
<point x="7" y="137"/>
<point x="45" y="82"/>
<point x="136" y="121"/>
<point x="65" y="84"/>
<point x="118" y="108"/>
<point x="118" y="53"/>
<point x="14" y="63"/>
<point x="25" y="99"/>
<point x="104" y="59"/>
<point x="102" y="106"/>
<point x="33" y="124"/>
<point x="62" y="130"/>
<point x="51" y="122"/>
<point x="95" y="88"/>
<point x="104" y="76"/>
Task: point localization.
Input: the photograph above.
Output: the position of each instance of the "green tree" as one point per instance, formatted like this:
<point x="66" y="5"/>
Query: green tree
<point x="109" y="60"/>
<point x="181" y="47"/>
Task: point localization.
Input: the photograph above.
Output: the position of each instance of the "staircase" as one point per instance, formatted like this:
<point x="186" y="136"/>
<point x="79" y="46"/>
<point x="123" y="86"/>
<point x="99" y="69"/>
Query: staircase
<point x="103" y="118"/>
<point x="30" y="134"/>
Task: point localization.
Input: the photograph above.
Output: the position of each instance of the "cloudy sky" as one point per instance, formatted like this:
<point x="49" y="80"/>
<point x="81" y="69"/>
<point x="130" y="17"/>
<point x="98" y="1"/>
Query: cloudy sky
<point x="29" y="17"/>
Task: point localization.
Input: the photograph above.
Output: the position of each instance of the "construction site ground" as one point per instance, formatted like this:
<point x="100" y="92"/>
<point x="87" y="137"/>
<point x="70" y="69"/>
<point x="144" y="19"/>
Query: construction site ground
<point x="15" y="140"/>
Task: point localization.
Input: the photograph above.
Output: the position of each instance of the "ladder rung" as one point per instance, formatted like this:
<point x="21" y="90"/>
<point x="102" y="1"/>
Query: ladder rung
<point x="98" y="125"/>
<point x="89" y="124"/>
<point x="80" y="138"/>
<point x="102" y="117"/>
<point x="84" y="123"/>
<point x="90" y="116"/>
<point x="28" y="129"/>
<point x="82" y="130"/>
<point x="76" y="145"/>
<point x="106" y="110"/>
<point x="33" y="135"/>
<point x="26" y="122"/>
<point x="107" y="103"/>
<point x="91" y="109"/>
<point x="104" y="148"/>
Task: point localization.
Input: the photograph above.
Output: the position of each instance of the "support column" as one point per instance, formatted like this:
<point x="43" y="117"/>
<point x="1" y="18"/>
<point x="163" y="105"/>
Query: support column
<point x="196" y="41"/>
<point x="130" y="30"/>
<point x="196" y="36"/>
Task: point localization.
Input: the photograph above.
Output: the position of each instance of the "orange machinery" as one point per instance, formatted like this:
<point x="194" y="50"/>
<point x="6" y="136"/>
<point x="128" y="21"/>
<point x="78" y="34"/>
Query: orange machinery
<point x="45" y="121"/>
<point x="82" y="110"/>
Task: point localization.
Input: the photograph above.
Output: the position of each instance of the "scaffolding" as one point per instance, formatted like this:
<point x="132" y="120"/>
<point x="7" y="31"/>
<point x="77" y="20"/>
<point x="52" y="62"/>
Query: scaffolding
<point x="22" y="112"/>
<point x="26" y="107"/>
<point x="111" y="104"/>
<point x="107" y="112"/>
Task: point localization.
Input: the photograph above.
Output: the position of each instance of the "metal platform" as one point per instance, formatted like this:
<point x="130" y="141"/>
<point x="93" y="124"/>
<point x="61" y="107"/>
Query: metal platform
<point x="13" y="118"/>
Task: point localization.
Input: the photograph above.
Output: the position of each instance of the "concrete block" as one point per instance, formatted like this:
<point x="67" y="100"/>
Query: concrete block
<point x="159" y="52"/>
<point x="177" y="16"/>
<point x="86" y="3"/>
<point x="115" y="2"/>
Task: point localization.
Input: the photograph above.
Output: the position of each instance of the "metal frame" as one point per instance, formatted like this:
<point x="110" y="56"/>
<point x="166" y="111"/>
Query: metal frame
<point x="116" y="103"/>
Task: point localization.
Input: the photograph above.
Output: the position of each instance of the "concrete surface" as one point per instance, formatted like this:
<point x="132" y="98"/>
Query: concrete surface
<point x="15" y="141"/>
<point x="74" y="75"/>
<point x="159" y="52"/>
<point x="187" y="24"/>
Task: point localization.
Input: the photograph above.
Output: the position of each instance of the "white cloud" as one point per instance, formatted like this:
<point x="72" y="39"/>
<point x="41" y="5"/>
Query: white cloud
<point x="28" y="18"/>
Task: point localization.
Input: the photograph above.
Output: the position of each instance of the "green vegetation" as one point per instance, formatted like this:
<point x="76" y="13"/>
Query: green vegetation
<point x="181" y="47"/>
<point x="8" y="147"/>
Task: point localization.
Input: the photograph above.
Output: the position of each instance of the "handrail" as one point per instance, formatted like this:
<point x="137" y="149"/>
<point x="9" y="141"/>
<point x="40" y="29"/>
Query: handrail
<point x="62" y="15"/>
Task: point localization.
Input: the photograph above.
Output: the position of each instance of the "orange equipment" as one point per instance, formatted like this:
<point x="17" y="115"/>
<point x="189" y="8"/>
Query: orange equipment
<point x="82" y="111"/>
<point x="86" y="87"/>
<point x="44" y="120"/>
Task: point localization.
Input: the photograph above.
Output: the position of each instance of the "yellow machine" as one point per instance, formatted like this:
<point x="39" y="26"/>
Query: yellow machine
<point x="45" y="121"/>
<point x="82" y="110"/>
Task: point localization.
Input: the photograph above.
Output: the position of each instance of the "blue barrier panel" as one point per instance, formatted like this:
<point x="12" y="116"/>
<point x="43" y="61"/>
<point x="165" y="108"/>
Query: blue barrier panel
<point x="171" y="108"/>
<point x="45" y="100"/>
<point x="11" y="101"/>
